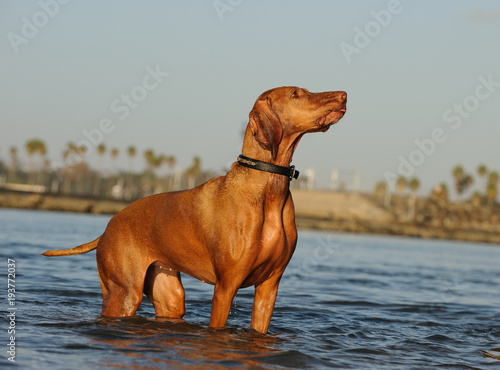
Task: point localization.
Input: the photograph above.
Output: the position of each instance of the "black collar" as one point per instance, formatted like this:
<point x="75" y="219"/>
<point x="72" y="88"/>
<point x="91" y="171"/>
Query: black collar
<point x="290" y="172"/>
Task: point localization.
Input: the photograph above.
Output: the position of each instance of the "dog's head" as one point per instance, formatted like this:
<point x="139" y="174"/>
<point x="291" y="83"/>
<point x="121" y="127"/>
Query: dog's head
<point x="290" y="111"/>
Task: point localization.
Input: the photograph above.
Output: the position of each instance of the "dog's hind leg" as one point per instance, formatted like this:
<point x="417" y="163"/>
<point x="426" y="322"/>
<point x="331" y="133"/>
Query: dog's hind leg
<point x="122" y="284"/>
<point x="119" y="300"/>
<point x="164" y="289"/>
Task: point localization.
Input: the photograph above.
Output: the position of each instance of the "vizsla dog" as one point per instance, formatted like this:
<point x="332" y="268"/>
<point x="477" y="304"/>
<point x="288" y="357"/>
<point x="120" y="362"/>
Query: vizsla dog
<point x="233" y="231"/>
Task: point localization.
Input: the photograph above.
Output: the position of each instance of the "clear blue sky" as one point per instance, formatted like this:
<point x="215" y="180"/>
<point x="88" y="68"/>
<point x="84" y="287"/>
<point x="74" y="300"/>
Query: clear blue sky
<point x="65" y="69"/>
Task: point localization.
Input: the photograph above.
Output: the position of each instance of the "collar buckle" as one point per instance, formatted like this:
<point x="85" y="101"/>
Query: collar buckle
<point x="293" y="172"/>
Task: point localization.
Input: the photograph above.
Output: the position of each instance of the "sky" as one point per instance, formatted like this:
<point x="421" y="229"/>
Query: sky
<point x="180" y="77"/>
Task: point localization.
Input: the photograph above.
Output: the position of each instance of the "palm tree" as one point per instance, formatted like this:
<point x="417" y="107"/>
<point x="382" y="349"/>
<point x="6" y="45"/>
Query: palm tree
<point x="171" y="161"/>
<point x="82" y="150"/>
<point x="152" y="161"/>
<point x="117" y="191"/>
<point x="466" y="183"/>
<point x="444" y="192"/>
<point x="157" y="162"/>
<point x="414" y="185"/>
<point x="493" y="177"/>
<point x="482" y="170"/>
<point x="114" y="155"/>
<point x="71" y="155"/>
<point x="131" y="151"/>
<point x="401" y="184"/>
<point x="101" y="150"/>
<point x="31" y="150"/>
<point x="177" y="174"/>
<point x="463" y="181"/>
<point x="81" y="187"/>
<point x="476" y="199"/>
<point x="492" y="188"/>
<point x="491" y="193"/>
<point x="383" y="192"/>
<point x="76" y="169"/>
<point x="14" y="163"/>
<point x="458" y="174"/>
<point x="149" y="156"/>
<point x="193" y="171"/>
<point x="33" y="147"/>
<point x="71" y="158"/>
<point x="42" y="151"/>
<point x="30" y="147"/>
<point x="130" y="187"/>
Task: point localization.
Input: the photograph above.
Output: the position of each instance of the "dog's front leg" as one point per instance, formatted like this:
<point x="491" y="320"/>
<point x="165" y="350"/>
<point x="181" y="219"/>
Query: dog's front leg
<point x="221" y="304"/>
<point x="263" y="304"/>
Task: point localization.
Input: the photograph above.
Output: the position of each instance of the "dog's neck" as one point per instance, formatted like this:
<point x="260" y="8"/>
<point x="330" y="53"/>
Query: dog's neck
<point x="268" y="184"/>
<point x="253" y="149"/>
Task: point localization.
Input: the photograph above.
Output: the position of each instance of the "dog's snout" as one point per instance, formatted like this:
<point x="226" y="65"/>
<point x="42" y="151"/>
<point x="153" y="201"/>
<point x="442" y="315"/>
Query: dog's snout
<point x="342" y="96"/>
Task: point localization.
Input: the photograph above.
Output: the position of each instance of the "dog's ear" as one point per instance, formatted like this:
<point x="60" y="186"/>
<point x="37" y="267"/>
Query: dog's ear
<point x="266" y="126"/>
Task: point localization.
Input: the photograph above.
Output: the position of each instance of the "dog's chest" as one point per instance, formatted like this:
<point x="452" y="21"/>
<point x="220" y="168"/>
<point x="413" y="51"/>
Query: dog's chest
<point x="276" y="247"/>
<point x="272" y="256"/>
<point x="277" y="240"/>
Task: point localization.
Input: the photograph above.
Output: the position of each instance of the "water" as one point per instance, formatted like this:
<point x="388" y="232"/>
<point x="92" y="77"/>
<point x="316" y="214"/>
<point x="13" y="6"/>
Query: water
<point x="346" y="301"/>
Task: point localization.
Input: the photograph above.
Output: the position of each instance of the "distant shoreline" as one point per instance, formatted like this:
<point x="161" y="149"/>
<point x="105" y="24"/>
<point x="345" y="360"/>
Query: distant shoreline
<point x="361" y="213"/>
<point x="395" y="229"/>
<point x="63" y="203"/>
<point x="315" y="210"/>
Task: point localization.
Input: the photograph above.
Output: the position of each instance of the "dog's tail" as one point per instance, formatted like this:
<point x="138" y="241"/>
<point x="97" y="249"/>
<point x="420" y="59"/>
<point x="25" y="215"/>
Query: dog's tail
<point x="84" y="248"/>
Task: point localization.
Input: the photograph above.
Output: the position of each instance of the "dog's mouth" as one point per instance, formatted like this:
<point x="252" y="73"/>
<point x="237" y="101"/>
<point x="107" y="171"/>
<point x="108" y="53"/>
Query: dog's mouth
<point x="333" y="117"/>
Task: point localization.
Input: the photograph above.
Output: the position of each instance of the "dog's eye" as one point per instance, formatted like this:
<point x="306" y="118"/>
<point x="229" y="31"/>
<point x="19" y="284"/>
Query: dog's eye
<point x="295" y="94"/>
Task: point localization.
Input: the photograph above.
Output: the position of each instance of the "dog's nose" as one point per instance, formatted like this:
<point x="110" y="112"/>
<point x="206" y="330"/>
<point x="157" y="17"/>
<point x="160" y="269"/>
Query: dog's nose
<point x="340" y="97"/>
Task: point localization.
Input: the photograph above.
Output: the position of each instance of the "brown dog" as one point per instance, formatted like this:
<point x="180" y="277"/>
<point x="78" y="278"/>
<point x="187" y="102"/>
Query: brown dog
<point x="233" y="231"/>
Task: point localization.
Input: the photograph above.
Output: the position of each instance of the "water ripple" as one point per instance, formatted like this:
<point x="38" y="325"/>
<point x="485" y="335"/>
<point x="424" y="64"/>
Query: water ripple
<point x="376" y="303"/>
